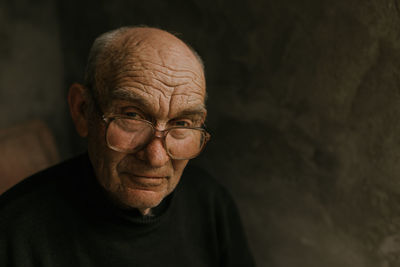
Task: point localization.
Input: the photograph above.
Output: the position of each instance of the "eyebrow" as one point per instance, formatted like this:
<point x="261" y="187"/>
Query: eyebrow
<point x="193" y="112"/>
<point x="128" y="95"/>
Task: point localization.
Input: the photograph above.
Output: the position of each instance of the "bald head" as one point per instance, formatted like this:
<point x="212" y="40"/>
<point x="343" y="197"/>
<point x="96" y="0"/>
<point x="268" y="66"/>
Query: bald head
<point x="118" y="53"/>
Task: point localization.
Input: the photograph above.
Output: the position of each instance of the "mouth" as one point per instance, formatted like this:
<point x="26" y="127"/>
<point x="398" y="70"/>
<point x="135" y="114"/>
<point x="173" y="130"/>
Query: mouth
<point x="144" y="181"/>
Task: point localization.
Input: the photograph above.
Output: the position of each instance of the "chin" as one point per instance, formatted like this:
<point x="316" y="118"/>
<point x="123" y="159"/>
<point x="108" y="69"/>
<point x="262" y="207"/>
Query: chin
<point x="139" y="199"/>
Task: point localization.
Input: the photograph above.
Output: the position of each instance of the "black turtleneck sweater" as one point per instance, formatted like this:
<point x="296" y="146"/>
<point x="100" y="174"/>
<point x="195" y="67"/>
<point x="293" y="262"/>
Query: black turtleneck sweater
<point x="61" y="217"/>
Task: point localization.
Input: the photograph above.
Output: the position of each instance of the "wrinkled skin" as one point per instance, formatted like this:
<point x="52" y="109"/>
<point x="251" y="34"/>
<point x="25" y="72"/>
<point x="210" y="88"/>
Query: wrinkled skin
<point x="157" y="79"/>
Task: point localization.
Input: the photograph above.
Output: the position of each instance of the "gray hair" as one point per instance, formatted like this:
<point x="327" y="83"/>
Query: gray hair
<point x="100" y="47"/>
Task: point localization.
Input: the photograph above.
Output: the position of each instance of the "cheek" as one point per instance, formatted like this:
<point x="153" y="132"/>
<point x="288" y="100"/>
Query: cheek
<point x="179" y="166"/>
<point x="104" y="160"/>
<point x="96" y="136"/>
<point x="105" y="165"/>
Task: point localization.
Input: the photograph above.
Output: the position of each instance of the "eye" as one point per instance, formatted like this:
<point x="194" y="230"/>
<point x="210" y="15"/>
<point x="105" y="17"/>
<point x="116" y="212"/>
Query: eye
<point x="132" y="114"/>
<point x="182" y="123"/>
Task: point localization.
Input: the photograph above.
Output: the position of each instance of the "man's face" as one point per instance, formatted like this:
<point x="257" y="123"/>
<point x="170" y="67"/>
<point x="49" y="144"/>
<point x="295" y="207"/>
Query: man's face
<point x="165" y="86"/>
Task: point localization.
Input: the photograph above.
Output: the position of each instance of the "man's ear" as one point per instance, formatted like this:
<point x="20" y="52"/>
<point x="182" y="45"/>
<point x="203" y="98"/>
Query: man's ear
<point x="78" y="108"/>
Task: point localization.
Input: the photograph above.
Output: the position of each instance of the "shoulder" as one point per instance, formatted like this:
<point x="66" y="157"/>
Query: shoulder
<point x="197" y="178"/>
<point x="209" y="202"/>
<point x="40" y="188"/>
<point x="202" y="188"/>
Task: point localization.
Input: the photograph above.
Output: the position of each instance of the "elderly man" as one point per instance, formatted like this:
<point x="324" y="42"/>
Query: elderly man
<point x="131" y="200"/>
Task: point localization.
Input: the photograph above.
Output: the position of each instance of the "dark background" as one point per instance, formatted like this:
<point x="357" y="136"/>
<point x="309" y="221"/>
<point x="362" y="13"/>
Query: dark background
<point x="304" y="105"/>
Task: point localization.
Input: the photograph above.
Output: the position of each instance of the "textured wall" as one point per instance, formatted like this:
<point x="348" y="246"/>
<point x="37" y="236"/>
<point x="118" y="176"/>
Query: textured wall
<point x="304" y="104"/>
<point x="31" y="67"/>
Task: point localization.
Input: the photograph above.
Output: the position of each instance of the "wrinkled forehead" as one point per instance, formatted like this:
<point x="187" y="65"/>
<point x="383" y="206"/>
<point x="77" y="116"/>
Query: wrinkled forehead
<point x="155" y="60"/>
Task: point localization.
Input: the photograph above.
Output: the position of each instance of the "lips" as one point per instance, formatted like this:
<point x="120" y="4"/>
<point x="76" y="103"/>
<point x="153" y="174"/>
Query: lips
<point x="146" y="181"/>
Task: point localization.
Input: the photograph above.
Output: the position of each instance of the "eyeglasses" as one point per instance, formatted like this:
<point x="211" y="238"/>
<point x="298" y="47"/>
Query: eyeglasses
<point x="129" y="135"/>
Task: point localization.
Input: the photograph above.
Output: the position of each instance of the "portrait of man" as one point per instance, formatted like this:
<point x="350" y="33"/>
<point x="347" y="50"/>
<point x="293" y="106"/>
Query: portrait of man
<point x="133" y="199"/>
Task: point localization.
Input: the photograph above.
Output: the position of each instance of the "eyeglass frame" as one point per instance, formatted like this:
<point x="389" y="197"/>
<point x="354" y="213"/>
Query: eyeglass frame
<point x="108" y="119"/>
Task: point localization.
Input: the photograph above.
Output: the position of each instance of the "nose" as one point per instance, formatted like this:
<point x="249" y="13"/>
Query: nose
<point x="154" y="153"/>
